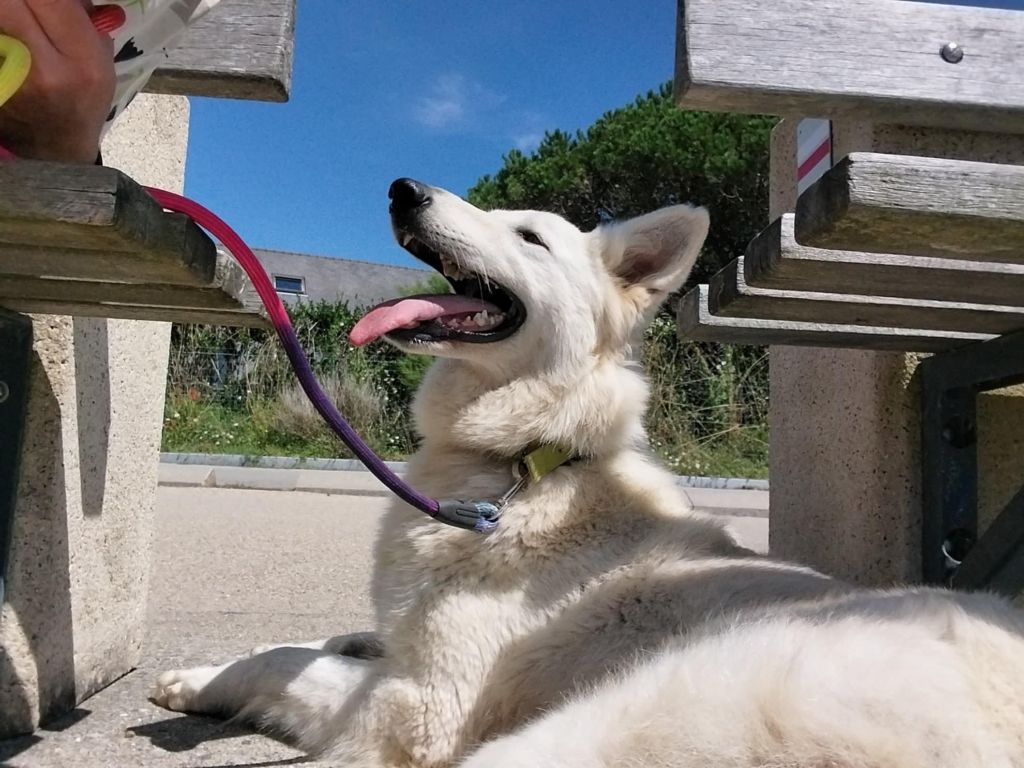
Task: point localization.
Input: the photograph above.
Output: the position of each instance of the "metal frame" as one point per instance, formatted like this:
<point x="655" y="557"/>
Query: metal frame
<point x="15" y="358"/>
<point x="952" y="553"/>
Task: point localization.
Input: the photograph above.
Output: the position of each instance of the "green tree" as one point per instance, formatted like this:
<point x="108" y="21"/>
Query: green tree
<point x="641" y="157"/>
<point x="709" y="402"/>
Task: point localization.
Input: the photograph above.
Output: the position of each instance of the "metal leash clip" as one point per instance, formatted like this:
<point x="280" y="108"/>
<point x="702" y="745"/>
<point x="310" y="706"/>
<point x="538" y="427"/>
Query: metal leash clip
<point x="483" y="516"/>
<point x="521" y="477"/>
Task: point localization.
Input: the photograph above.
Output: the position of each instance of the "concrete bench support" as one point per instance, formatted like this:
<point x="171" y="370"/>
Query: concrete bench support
<point x="80" y="556"/>
<point x="845" y="445"/>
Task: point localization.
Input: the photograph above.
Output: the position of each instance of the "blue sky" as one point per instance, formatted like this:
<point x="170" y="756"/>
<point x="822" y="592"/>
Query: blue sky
<point x="438" y="91"/>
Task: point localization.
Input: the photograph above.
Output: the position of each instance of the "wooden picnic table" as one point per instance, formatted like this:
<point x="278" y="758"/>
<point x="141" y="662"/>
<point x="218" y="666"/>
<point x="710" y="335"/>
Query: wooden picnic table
<point x="885" y="251"/>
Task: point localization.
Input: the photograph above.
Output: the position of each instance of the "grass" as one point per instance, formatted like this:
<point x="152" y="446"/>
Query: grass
<point x="249" y="430"/>
<point x="210" y="427"/>
<point x="231" y="391"/>
<point x="708" y="410"/>
<point x="742" y="453"/>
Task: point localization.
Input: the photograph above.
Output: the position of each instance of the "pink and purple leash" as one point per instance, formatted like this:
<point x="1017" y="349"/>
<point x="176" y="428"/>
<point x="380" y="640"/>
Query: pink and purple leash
<point x="479" y="516"/>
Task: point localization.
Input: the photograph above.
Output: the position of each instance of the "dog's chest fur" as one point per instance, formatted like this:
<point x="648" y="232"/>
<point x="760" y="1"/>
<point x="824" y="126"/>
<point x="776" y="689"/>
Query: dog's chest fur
<point x="580" y="560"/>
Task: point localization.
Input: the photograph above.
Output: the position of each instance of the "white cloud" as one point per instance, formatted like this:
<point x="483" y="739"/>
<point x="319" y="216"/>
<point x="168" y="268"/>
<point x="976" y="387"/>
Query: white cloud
<point x="530" y="127"/>
<point x="445" y="106"/>
<point x="529" y="141"/>
<point x="453" y="101"/>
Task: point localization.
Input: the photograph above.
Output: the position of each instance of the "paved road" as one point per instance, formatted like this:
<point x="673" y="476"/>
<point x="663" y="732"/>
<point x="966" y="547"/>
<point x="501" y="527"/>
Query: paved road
<point x="234" y="568"/>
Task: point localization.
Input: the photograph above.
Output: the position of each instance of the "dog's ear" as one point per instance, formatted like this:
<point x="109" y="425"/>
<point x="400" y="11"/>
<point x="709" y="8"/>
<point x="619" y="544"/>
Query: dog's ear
<point x="655" y="251"/>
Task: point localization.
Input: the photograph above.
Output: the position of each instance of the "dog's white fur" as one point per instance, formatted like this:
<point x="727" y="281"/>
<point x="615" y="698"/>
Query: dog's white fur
<point x="605" y="623"/>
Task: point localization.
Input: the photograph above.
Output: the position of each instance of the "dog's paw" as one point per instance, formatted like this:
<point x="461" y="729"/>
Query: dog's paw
<point x="179" y="689"/>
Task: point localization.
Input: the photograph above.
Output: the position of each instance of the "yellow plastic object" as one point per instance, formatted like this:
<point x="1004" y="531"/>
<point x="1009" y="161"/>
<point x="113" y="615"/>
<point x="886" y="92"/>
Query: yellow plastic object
<point x="15" y="63"/>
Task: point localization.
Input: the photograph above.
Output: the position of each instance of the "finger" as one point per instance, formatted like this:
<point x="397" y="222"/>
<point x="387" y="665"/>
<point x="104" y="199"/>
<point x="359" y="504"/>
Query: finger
<point x="18" y="21"/>
<point x="66" y="23"/>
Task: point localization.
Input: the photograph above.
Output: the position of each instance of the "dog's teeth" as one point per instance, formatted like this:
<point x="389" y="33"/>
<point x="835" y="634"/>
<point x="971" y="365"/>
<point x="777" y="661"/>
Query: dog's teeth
<point x="406" y="239"/>
<point x="453" y="270"/>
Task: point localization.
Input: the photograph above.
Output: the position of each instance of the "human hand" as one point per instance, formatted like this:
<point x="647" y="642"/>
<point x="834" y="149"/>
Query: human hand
<point x="58" y="114"/>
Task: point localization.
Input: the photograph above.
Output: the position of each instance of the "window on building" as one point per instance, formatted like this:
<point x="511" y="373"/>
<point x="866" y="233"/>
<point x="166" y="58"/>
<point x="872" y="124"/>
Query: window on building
<point x="285" y="284"/>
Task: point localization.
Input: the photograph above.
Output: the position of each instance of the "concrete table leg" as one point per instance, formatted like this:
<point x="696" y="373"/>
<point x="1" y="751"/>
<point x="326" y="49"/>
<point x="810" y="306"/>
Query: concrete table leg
<point x="845" y="434"/>
<point x="74" y="617"/>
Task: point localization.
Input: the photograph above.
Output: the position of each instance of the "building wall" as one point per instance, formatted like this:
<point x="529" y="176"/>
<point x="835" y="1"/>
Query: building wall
<point x="360" y="283"/>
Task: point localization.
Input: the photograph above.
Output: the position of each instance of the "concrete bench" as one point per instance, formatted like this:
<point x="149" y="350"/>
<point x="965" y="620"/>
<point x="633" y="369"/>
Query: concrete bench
<point x="897" y="228"/>
<point x="89" y="254"/>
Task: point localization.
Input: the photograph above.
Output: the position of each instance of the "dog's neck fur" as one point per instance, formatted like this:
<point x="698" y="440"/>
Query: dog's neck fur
<point x="465" y="408"/>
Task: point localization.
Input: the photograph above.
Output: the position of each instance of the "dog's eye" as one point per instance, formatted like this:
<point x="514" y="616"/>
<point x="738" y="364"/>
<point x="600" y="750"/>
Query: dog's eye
<point x="532" y="237"/>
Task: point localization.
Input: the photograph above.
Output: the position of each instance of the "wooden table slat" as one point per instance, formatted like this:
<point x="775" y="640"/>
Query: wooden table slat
<point x="88" y="240"/>
<point x="918" y="206"/>
<point x="774" y="259"/>
<point x="871" y="60"/>
<point x="243" y="49"/>
<point x="697" y="323"/>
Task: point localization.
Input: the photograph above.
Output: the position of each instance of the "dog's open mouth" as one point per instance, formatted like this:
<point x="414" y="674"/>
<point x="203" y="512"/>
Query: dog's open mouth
<point x="480" y="311"/>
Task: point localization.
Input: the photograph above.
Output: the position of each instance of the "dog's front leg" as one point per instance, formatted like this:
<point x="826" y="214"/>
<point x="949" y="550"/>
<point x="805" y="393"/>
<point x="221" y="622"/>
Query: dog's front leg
<point x="312" y="697"/>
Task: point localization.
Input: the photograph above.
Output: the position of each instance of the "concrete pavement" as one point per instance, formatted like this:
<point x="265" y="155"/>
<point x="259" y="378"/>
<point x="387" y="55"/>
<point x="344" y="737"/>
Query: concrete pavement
<point x="733" y="502"/>
<point x="298" y="462"/>
<point x="232" y="569"/>
<point x="238" y="567"/>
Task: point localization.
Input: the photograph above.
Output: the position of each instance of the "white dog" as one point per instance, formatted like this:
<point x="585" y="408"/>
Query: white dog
<point x="603" y="623"/>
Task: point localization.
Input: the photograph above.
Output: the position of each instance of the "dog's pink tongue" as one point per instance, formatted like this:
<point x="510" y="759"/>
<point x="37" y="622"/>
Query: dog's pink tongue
<point x="402" y="313"/>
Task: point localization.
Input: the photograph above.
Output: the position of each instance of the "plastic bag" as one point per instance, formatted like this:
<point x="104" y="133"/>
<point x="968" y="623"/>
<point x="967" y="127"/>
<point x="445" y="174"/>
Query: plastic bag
<point x="143" y="31"/>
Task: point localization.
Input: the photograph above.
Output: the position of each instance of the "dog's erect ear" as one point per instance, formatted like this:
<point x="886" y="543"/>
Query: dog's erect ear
<point x="655" y="251"/>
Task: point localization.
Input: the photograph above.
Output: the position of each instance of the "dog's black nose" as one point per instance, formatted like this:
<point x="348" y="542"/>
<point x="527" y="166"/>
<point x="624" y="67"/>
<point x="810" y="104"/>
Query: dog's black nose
<point x="407" y="194"/>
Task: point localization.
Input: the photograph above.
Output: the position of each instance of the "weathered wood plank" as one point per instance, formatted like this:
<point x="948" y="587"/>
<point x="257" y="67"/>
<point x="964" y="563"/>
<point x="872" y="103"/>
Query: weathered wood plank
<point x="696" y="322"/>
<point x="86" y="291"/>
<point x="185" y="298"/>
<point x="729" y="295"/>
<point x="49" y="206"/>
<point x="873" y="60"/>
<point x="89" y="241"/>
<point x="112" y="266"/>
<point x="242" y="49"/>
<point x="919" y="206"/>
<point x="774" y="259"/>
<point x="230" y="296"/>
<point x="139" y="312"/>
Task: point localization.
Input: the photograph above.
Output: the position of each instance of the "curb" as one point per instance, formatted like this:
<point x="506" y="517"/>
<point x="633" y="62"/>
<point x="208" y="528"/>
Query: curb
<point x="352" y="465"/>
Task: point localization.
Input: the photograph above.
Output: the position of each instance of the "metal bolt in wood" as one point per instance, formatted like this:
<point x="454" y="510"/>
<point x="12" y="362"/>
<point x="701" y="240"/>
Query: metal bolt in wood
<point x="952" y="53"/>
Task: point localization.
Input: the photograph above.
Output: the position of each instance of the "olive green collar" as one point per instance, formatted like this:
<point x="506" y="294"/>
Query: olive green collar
<point x="541" y="462"/>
